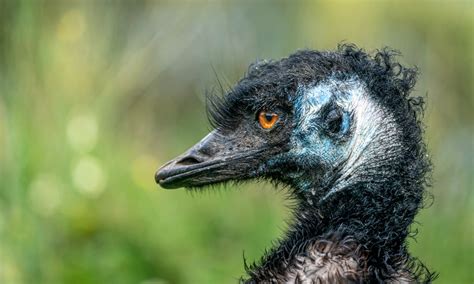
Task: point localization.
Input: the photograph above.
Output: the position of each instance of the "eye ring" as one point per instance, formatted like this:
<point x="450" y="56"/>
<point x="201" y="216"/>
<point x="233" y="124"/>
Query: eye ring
<point x="267" y="119"/>
<point x="334" y="121"/>
<point x="337" y="123"/>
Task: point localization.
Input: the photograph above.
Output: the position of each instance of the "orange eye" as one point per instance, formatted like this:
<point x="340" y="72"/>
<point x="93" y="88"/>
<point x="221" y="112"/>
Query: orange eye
<point x="267" y="120"/>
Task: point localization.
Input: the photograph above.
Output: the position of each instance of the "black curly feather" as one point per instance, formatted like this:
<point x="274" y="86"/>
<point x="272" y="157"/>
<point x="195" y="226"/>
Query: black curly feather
<point x="390" y="84"/>
<point x="375" y="211"/>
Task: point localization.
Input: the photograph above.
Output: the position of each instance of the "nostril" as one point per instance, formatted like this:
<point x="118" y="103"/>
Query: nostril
<point x="206" y="151"/>
<point x="189" y="160"/>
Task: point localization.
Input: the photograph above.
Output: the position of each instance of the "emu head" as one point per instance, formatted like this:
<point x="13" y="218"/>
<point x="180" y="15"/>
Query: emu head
<point x="334" y="126"/>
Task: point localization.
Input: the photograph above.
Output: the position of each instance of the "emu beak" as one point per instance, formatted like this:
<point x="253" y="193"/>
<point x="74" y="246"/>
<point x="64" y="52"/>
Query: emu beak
<point x="214" y="159"/>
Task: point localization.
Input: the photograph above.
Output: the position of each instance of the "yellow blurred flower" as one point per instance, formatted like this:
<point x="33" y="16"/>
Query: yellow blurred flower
<point x="143" y="171"/>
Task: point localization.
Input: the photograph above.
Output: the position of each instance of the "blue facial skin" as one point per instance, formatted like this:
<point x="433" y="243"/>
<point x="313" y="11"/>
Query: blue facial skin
<point x="314" y="152"/>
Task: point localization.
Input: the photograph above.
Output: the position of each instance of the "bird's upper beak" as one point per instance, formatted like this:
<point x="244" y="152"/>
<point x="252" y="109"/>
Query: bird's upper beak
<point x="216" y="158"/>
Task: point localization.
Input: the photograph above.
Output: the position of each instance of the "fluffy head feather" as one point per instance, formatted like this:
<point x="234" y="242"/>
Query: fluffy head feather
<point x="348" y="143"/>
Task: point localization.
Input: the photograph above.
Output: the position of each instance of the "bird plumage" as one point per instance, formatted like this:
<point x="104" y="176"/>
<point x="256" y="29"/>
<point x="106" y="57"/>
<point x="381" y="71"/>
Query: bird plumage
<point x="347" y="143"/>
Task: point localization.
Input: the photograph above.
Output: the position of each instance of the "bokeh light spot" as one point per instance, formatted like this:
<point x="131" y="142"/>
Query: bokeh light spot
<point x="82" y="132"/>
<point x="71" y="26"/>
<point x="45" y="194"/>
<point x="89" y="177"/>
<point x="10" y="272"/>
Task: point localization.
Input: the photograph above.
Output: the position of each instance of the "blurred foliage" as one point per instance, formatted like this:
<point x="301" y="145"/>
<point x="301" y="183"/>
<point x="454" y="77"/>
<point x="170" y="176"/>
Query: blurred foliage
<point x="95" y="95"/>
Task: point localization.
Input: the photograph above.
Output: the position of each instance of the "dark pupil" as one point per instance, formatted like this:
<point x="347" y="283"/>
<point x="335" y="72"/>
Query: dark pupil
<point x="269" y="117"/>
<point x="334" y="121"/>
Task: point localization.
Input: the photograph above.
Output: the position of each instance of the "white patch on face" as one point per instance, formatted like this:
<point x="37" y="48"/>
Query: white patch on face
<point x="374" y="128"/>
<point x="314" y="99"/>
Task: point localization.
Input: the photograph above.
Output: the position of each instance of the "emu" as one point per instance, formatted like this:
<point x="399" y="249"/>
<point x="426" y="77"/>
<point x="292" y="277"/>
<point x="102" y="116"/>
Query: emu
<point x="341" y="131"/>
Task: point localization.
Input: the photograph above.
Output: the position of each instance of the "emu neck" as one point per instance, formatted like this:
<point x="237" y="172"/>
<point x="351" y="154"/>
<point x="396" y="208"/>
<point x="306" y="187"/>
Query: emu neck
<point x="375" y="220"/>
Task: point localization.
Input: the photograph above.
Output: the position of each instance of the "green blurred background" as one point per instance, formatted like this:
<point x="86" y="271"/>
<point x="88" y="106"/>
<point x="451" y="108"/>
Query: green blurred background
<point x="94" y="96"/>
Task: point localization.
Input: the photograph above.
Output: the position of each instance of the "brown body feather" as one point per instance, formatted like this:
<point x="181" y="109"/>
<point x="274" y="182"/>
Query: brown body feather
<point x="332" y="261"/>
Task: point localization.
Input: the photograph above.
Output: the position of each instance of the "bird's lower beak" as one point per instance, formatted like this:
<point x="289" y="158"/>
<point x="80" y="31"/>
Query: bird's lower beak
<point x="216" y="158"/>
